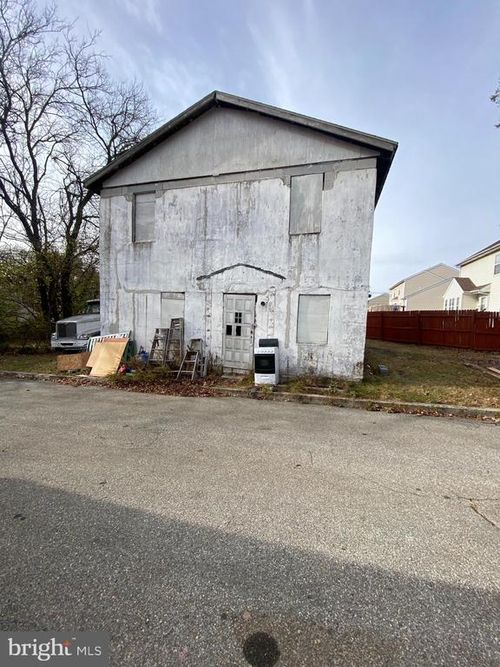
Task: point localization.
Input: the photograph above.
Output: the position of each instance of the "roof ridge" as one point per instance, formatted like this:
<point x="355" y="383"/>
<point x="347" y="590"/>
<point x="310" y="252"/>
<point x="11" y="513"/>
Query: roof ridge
<point x="429" y="268"/>
<point x="386" y="148"/>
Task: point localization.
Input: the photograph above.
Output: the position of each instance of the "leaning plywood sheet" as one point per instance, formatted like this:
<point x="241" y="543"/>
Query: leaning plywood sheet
<point x="108" y="358"/>
<point x="94" y="355"/>
<point x="97" y="347"/>
<point x="72" y="362"/>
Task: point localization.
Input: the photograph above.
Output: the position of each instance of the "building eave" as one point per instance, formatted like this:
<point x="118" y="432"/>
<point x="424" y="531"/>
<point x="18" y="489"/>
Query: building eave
<point x="491" y="249"/>
<point x="386" y="148"/>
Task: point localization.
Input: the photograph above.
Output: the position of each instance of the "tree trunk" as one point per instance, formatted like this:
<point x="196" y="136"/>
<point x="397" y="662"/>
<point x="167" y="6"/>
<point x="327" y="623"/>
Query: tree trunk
<point x="66" y="290"/>
<point x="47" y="291"/>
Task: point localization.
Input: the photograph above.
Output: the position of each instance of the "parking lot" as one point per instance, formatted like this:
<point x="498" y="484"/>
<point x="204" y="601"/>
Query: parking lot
<point x="221" y="531"/>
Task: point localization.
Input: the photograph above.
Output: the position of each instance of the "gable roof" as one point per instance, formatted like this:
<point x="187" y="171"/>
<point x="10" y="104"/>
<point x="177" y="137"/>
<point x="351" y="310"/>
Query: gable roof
<point x="429" y="270"/>
<point x="385" y="147"/>
<point x="493" y="247"/>
<point x="466" y="284"/>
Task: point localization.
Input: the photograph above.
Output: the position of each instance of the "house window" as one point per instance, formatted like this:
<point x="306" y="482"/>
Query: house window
<point x="483" y="303"/>
<point x="497" y="264"/>
<point x="306" y="203"/>
<point x="143" y="218"/>
<point x="313" y="316"/>
<point x="446" y="304"/>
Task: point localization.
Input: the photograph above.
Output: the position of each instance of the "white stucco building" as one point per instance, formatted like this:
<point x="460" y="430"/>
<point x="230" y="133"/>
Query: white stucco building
<point x="250" y="222"/>
<point x="478" y="286"/>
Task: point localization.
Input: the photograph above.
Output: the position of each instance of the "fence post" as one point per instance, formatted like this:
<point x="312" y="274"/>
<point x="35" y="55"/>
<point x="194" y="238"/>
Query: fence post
<point x="382" y="313"/>
<point x="473" y="337"/>
<point x="419" y="329"/>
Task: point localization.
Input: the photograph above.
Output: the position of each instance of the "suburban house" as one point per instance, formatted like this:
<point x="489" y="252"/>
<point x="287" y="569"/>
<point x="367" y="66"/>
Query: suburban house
<point x="249" y="222"/>
<point x="380" y="302"/>
<point x="478" y="286"/>
<point x="423" y="290"/>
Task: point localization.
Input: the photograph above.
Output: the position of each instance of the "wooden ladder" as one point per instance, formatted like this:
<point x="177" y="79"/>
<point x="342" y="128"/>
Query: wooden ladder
<point x="189" y="365"/>
<point x="194" y="361"/>
<point x="158" y="347"/>
<point x="175" y="343"/>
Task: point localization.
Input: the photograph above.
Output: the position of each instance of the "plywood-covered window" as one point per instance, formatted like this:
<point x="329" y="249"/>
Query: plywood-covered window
<point x="143" y="218"/>
<point x="306" y="203"/>
<point x="313" y="316"/>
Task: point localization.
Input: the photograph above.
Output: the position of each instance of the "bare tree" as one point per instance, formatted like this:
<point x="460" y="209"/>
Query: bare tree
<point x="61" y="117"/>
<point x="495" y="98"/>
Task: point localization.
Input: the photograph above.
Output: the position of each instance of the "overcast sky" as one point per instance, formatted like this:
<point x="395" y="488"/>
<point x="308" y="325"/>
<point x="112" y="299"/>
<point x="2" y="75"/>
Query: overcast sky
<point x="417" y="72"/>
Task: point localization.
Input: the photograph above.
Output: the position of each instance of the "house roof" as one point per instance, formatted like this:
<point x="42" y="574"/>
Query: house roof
<point x="493" y="247"/>
<point x="430" y="269"/>
<point x="384" y="297"/>
<point x="385" y="147"/>
<point x="466" y="284"/>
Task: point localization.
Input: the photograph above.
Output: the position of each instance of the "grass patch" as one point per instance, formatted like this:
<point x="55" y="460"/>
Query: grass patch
<point x="417" y="373"/>
<point x="29" y="363"/>
<point x="427" y="374"/>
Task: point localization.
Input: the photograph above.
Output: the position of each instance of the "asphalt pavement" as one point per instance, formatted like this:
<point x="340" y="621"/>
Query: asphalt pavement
<point x="226" y="531"/>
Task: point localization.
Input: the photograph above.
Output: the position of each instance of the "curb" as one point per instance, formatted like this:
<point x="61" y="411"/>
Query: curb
<point x="431" y="409"/>
<point x="47" y="377"/>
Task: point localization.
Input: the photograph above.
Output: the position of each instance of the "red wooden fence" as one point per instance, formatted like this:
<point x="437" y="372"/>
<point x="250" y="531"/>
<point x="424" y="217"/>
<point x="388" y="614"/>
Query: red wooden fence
<point x="462" y="328"/>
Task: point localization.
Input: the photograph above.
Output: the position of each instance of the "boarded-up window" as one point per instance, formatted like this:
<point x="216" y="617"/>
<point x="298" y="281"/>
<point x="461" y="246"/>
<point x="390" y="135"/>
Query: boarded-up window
<point x="172" y="305"/>
<point x="144" y="216"/>
<point x="312" y="324"/>
<point x="306" y="197"/>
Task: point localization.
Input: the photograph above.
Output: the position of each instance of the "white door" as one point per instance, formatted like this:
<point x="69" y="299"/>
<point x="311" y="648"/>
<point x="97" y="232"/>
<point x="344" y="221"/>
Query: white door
<point x="239" y="319"/>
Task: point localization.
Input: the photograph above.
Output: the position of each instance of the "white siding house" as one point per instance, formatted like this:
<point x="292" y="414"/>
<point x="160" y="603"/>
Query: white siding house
<point x="423" y="290"/>
<point x="250" y="222"/>
<point x="378" y="303"/>
<point x="478" y="287"/>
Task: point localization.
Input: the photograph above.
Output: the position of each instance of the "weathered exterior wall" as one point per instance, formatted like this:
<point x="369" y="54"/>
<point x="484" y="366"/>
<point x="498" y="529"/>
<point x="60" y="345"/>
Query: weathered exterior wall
<point x="206" y="233"/>
<point x="225" y="141"/>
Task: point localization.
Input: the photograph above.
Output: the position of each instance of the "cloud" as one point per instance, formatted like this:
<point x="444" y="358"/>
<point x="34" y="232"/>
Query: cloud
<point x="175" y="85"/>
<point x="145" y="10"/>
<point x="283" y="47"/>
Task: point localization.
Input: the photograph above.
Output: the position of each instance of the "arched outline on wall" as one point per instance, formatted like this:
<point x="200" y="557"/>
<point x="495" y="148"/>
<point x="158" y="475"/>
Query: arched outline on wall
<point x="234" y="266"/>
